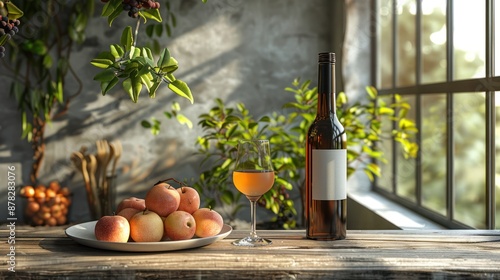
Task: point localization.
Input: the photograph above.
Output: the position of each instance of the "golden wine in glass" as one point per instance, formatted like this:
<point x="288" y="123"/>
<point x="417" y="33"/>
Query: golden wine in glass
<point x="253" y="176"/>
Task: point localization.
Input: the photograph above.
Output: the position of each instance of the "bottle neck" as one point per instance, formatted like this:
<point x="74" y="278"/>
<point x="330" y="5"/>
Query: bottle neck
<point x="326" y="88"/>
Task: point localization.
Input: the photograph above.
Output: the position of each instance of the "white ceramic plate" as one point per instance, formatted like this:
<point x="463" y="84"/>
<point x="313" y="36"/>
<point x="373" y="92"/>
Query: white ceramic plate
<point x="84" y="234"/>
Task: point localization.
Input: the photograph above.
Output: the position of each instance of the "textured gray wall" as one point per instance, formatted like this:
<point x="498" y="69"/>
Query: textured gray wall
<point x="237" y="50"/>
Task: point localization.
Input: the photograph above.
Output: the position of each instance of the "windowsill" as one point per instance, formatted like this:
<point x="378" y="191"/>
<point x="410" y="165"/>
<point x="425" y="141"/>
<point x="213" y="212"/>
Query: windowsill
<point x="370" y="210"/>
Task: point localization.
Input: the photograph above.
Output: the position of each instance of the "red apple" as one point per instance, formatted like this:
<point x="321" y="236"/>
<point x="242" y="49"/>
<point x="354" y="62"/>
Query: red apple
<point x="208" y="222"/>
<point x="128" y="212"/>
<point x="190" y="199"/>
<point x="112" y="229"/>
<point x="131" y="202"/>
<point x="180" y="225"/>
<point x="146" y="226"/>
<point x="163" y="199"/>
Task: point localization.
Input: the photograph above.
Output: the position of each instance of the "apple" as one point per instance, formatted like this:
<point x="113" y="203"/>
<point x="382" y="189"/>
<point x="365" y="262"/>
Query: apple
<point x="112" y="229"/>
<point x="208" y="222"/>
<point x="132" y="202"/>
<point x="190" y="199"/>
<point x="146" y="226"/>
<point x="128" y="212"/>
<point x="180" y="225"/>
<point x="163" y="199"/>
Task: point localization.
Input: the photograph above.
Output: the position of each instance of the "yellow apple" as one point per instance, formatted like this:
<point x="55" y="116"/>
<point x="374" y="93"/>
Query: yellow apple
<point x="146" y="226"/>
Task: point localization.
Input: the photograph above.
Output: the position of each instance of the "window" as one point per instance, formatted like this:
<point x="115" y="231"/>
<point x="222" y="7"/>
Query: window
<point x="440" y="56"/>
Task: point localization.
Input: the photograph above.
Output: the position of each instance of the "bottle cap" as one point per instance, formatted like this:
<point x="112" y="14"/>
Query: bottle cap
<point x="326" y="57"/>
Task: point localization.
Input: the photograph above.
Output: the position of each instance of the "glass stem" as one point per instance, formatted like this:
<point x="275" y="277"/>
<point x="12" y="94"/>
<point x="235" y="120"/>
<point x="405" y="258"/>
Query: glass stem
<point x="253" y="206"/>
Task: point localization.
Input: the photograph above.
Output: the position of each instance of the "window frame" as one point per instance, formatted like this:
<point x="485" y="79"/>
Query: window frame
<point x="450" y="87"/>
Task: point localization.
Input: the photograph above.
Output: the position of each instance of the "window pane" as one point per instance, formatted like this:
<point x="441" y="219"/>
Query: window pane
<point x="433" y="150"/>
<point x="469" y="162"/>
<point x="433" y="41"/>
<point x="406" y="11"/>
<point x="405" y="168"/>
<point x="469" y="39"/>
<point x="385" y="43"/>
<point x="385" y="180"/>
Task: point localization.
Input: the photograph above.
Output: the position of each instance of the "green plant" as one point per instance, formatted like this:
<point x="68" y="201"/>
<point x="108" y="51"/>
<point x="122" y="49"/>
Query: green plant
<point x="287" y="132"/>
<point x="38" y="63"/>
<point x="135" y="66"/>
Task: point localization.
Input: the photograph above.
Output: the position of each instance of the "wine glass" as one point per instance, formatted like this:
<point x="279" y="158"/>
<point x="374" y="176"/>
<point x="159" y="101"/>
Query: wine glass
<point x="253" y="176"/>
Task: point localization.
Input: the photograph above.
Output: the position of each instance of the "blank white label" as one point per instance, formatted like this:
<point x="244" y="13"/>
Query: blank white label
<point x="329" y="174"/>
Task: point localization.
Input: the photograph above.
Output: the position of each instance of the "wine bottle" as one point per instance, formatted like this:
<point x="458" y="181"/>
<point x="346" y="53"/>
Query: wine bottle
<point x="326" y="162"/>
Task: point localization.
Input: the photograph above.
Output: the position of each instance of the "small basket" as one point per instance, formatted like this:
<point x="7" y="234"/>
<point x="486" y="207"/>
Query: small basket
<point x="46" y="206"/>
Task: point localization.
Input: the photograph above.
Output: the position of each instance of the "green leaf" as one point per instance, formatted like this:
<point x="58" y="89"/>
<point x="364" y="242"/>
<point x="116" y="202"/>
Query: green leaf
<point x="226" y="163"/>
<point x="146" y="124"/>
<point x="184" y="120"/>
<point x="181" y="89"/>
<point x="116" y="13"/>
<point x="127" y="40"/>
<point x="386" y="111"/>
<point x="146" y="80"/>
<point x="136" y="52"/>
<point x="80" y="23"/>
<point x="176" y="106"/>
<point x="14" y="11"/>
<point x="374" y="168"/>
<point x="164" y="59"/>
<point x="27" y="128"/>
<point x="369" y="174"/>
<point x="372" y="91"/>
<point x="38" y="47"/>
<point x="146" y="52"/>
<point x="47" y="61"/>
<point x="154" y="87"/>
<point x="153" y="14"/>
<point x="59" y="91"/>
<point x="105" y="75"/>
<point x="116" y="50"/>
<point x="127" y="86"/>
<point x="110" y="7"/>
<point x="107" y="86"/>
<point x="101" y="62"/>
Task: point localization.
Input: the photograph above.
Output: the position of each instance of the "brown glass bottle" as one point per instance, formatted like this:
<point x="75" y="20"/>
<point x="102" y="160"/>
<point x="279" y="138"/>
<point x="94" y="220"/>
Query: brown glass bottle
<point x="326" y="162"/>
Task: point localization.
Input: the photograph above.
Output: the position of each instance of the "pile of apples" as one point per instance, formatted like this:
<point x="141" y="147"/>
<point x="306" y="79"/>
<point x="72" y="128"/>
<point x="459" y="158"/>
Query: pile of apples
<point x="166" y="213"/>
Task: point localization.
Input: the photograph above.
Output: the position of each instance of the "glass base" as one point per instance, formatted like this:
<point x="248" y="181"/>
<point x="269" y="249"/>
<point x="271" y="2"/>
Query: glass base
<point x="250" y="241"/>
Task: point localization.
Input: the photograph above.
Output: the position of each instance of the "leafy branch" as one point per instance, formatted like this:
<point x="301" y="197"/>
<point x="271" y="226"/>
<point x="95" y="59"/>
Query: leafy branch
<point x="135" y="66"/>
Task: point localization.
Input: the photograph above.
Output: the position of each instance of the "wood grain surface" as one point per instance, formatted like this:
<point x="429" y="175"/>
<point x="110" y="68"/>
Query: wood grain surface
<point x="46" y="252"/>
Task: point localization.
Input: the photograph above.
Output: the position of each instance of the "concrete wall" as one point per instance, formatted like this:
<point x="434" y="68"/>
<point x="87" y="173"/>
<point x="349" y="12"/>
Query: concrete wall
<point x="237" y="50"/>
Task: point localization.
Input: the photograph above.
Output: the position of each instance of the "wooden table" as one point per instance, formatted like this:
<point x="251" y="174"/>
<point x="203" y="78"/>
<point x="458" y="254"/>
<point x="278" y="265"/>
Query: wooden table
<point x="47" y="253"/>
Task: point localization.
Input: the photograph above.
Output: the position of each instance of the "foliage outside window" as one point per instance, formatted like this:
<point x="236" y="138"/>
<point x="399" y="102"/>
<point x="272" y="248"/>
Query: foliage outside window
<point x="443" y="66"/>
